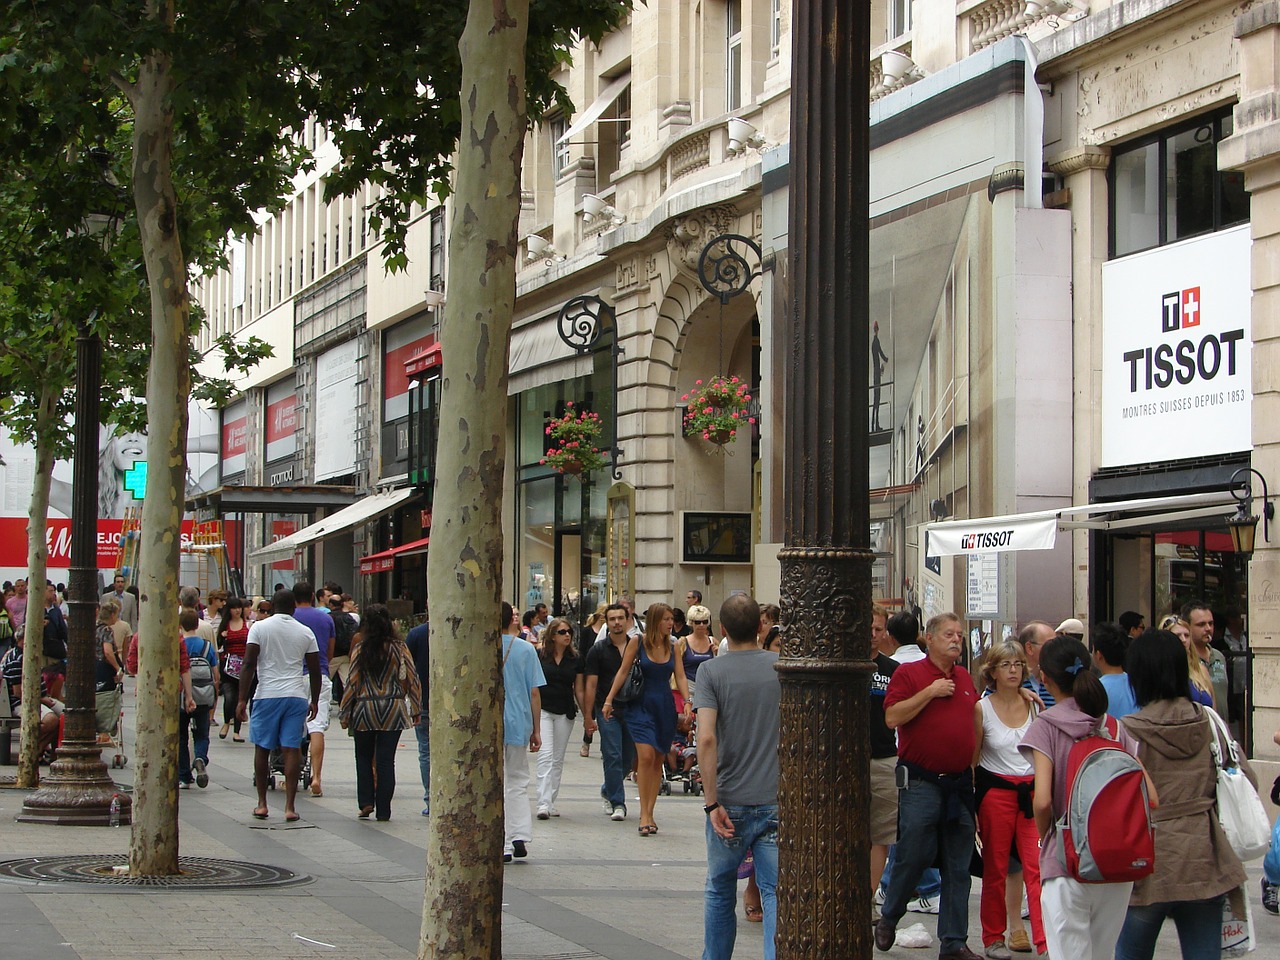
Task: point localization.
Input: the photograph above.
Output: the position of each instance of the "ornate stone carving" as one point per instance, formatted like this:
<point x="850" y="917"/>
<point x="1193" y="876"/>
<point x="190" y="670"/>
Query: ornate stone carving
<point x="627" y="275"/>
<point x="1079" y="159"/>
<point x="688" y="235"/>
<point x="689" y="155"/>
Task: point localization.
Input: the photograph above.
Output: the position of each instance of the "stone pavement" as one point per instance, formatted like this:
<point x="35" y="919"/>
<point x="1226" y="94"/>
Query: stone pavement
<point x="590" y="888"/>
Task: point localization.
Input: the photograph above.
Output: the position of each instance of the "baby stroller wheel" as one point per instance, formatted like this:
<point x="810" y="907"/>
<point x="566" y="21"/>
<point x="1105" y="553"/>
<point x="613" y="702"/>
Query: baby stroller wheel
<point x="271" y="782"/>
<point x="665" y="788"/>
<point x="687" y="786"/>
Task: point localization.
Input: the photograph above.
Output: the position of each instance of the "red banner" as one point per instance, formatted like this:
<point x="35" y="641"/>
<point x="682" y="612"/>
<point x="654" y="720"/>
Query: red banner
<point x="13" y="541"/>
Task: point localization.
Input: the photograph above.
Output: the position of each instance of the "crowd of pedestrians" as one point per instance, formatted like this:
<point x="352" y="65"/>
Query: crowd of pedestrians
<point x="970" y="767"/>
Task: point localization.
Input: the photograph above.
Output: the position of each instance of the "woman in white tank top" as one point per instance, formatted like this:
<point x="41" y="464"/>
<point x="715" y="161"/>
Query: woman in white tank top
<point x="1003" y="786"/>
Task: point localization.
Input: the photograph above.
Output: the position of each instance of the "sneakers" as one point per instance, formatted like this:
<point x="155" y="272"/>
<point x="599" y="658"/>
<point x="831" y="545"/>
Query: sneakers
<point x="1269" y="891"/>
<point x="1026" y="908"/>
<point x="202" y="778"/>
<point x="544" y="813"/>
<point x="555" y="813"/>
<point x="998" y="951"/>
<point x="923" y="905"/>
<point x="585" y="751"/>
<point x="506" y="858"/>
<point x="878" y="899"/>
<point x="184" y="784"/>
<point x="619" y="812"/>
<point x="607" y="804"/>
<point x="519" y="850"/>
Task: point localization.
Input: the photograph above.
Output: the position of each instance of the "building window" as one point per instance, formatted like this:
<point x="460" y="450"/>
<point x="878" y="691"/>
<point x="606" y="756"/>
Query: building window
<point x="775" y="33"/>
<point x="733" y="55"/>
<point x="899" y="18"/>
<point x="559" y="151"/>
<point x="437" y="249"/>
<point x="1168" y="187"/>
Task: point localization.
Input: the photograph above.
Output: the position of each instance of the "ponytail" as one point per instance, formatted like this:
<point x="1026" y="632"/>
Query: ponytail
<point x="1067" y="663"/>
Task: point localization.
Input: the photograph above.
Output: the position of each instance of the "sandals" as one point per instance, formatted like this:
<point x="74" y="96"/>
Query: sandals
<point x="365" y="812"/>
<point x="261" y="813"/>
<point x="237" y="739"/>
<point x="222" y="734"/>
<point x="754" y="914"/>
<point x="648" y="829"/>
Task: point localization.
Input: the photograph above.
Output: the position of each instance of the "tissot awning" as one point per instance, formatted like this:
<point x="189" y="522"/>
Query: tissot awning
<point x="362" y="511"/>
<point x="386" y="560"/>
<point x="1038" y="530"/>
<point x="587" y="117"/>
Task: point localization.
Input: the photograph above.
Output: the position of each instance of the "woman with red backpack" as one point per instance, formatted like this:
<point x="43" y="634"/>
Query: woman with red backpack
<point x="1082" y="920"/>
<point x="1195" y="865"/>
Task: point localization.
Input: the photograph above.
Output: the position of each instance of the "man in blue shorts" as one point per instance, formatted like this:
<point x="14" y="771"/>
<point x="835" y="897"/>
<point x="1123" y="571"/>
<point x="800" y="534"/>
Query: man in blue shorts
<point x="275" y="652"/>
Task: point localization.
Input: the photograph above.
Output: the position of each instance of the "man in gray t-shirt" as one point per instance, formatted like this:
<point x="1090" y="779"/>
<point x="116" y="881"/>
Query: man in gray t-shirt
<point x="737" y="700"/>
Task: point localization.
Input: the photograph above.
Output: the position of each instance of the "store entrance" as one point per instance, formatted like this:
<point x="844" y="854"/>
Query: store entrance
<point x="1157" y="572"/>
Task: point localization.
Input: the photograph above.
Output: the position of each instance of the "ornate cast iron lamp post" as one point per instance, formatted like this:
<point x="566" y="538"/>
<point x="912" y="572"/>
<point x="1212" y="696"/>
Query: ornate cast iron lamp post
<point x="78" y="790"/>
<point x="823" y="793"/>
<point x="581" y="324"/>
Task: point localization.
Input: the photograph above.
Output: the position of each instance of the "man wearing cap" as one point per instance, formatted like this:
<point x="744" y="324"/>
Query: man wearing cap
<point x="1071" y="627"/>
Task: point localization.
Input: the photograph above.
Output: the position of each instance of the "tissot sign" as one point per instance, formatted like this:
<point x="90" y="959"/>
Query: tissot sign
<point x="1176" y="380"/>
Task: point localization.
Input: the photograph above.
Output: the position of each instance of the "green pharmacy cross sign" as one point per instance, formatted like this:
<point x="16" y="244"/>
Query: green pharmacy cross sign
<point x="135" y="479"/>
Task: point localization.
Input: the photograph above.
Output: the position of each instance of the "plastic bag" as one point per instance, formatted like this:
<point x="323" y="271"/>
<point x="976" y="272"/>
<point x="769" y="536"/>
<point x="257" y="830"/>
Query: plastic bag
<point x="914" y="937"/>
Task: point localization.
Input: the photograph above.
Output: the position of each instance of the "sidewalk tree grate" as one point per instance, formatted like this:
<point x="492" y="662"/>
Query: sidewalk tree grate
<point x="198" y="873"/>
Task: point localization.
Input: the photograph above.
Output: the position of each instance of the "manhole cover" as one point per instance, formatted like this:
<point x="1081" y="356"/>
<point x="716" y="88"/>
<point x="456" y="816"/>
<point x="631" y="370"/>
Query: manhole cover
<point x="198" y="873"/>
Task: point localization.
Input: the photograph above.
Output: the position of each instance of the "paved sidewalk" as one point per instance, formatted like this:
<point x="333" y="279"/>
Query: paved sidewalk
<point x="590" y="888"/>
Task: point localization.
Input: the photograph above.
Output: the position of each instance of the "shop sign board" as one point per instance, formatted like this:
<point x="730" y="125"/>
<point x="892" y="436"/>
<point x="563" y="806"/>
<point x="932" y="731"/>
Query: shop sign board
<point x="337" y="403"/>
<point x="1176" y="338"/>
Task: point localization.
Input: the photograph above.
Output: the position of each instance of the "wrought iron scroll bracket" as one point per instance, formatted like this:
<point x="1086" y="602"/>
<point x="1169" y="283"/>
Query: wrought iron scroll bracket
<point x="724" y="269"/>
<point x="582" y="322"/>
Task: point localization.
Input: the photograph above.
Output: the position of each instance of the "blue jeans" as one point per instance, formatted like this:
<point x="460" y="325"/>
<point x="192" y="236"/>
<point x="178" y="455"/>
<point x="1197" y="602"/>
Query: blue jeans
<point x="618" y="752"/>
<point x="755" y="829"/>
<point x="930" y="884"/>
<point x="923" y="837"/>
<point x="423" y="731"/>
<point x="1271" y="862"/>
<point x="1199" y="924"/>
<point x="193" y="726"/>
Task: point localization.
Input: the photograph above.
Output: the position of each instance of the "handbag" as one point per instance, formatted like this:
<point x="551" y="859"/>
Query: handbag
<point x="633" y="686"/>
<point x="233" y="666"/>
<point x="1240" y="812"/>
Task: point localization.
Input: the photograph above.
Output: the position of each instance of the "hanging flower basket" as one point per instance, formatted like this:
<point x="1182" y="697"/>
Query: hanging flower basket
<point x="572" y="440"/>
<point x="717" y="409"/>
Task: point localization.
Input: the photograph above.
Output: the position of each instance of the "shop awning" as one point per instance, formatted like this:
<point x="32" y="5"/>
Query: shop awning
<point x="362" y="511"/>
<point x="538" y="356"/>
<point x="386" y="560"/>
<point x="587" y="117"/>
<point x="1038" y="530"/>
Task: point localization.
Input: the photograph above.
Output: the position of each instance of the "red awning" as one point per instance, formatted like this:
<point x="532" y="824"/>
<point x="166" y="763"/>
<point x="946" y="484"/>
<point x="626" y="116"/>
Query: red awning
<point x="386" y="560"/>
<point x="429" y="359"/>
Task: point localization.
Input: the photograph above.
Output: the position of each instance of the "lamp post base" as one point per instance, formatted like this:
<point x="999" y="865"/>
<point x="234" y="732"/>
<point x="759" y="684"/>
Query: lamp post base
<point x="77" y="791"/>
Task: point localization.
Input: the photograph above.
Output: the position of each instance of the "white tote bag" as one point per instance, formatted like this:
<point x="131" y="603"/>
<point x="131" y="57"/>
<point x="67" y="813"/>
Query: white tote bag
<point x="1243" y="818"/>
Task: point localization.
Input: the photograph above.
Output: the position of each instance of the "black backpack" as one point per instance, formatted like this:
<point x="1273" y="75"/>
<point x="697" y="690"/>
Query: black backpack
<point x="344" y="628"/>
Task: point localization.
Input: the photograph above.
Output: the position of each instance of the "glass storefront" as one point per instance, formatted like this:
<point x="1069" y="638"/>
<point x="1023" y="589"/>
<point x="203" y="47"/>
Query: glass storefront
<point x="561" y="519"/>
<point x="1157" y="572"/>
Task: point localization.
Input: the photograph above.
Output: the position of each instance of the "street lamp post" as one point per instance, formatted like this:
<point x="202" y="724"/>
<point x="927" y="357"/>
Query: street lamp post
<point x="79" y="790"/>
<point x="823" y="791"/>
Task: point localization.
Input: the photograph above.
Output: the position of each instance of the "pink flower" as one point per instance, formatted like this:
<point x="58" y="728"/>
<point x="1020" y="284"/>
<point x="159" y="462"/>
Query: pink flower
<point x="747" y="397"/>
<point x="751" y="419"/>
<point x="568" y="403"/>
<point x="697" y="383"/>
<point x="542" y="461"/>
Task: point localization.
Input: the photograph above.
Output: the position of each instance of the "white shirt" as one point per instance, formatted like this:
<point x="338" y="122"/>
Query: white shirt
<point x="283" y="644"/>
<point x="1000" y="752"/>
<point x="908" y="653"/>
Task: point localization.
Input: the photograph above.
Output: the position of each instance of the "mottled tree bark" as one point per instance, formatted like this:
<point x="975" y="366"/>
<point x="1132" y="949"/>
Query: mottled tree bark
<point x="153" y="847"/>
<point x="33" y="658"/>
<point x="462" y="903"/>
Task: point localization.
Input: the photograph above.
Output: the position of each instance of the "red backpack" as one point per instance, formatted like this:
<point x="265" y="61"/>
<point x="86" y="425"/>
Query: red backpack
<point x="1106" y="830"/>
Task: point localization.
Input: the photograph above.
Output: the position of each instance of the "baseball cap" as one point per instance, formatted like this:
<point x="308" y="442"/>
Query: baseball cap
<point x="1072" y="626"/>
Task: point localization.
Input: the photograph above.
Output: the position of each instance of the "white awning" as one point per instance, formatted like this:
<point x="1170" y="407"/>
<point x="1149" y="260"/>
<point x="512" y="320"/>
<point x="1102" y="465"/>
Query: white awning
<point x="362" y="511"/>
<point x="603" y="102"/>
<point x="1038" y="530"/>
<point x="538" y="356"/>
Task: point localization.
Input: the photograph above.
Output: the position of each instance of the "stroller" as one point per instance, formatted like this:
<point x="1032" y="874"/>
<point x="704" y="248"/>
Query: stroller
<point x="275" y="764"/>
<point x="684" y="768"/>
<point x="120" y="758"/>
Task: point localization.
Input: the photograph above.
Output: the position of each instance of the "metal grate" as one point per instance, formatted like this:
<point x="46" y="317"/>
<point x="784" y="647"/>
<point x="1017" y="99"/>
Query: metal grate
<point x="198" y="873"/>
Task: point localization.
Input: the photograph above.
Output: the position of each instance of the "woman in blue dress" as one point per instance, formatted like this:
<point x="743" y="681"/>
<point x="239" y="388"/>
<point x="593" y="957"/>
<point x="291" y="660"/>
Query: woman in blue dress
<point x="651" y="719"/>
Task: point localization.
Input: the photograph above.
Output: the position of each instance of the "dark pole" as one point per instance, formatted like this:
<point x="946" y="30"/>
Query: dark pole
<point x="823" y="793"/>
<point x="78" y="790"/>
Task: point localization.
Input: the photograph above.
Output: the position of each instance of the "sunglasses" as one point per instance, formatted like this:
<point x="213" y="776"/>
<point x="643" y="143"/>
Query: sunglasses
<point x="700" y="621"/>
<point x="559" y="632"/>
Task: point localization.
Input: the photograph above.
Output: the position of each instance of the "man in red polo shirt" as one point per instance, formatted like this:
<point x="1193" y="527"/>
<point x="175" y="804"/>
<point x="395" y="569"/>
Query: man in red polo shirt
<point x="931" y="703"/>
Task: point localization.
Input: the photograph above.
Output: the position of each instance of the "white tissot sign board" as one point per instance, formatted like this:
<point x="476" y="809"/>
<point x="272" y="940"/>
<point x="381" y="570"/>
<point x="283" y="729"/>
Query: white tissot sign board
<point x="972" y="538"/>
<point x="336" y="402"/>
<point x="1176" y="337"/>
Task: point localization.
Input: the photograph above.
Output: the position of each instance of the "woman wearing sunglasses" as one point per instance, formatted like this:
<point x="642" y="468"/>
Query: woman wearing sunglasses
<point x="697" y="647"/>
<point x="562" y="696"/>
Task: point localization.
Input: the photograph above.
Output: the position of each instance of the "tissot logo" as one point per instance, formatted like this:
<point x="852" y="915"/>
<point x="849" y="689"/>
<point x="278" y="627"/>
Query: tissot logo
<point x="1179" y="310"/>
<point x="987" y="540"/>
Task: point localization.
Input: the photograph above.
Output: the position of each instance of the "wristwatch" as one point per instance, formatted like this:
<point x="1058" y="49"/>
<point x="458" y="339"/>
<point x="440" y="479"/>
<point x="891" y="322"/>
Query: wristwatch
<point x="707" y="808"/>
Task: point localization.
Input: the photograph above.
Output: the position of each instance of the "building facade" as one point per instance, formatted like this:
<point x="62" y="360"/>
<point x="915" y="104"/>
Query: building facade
<point x="1069" y="223"/>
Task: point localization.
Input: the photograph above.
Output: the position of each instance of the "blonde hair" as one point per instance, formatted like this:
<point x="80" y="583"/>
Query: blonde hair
<point x="596" y="620"/>
<point x="1200" y="678"/>
<point x="1001" y="650"/>
<point x="698" y="612"/>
